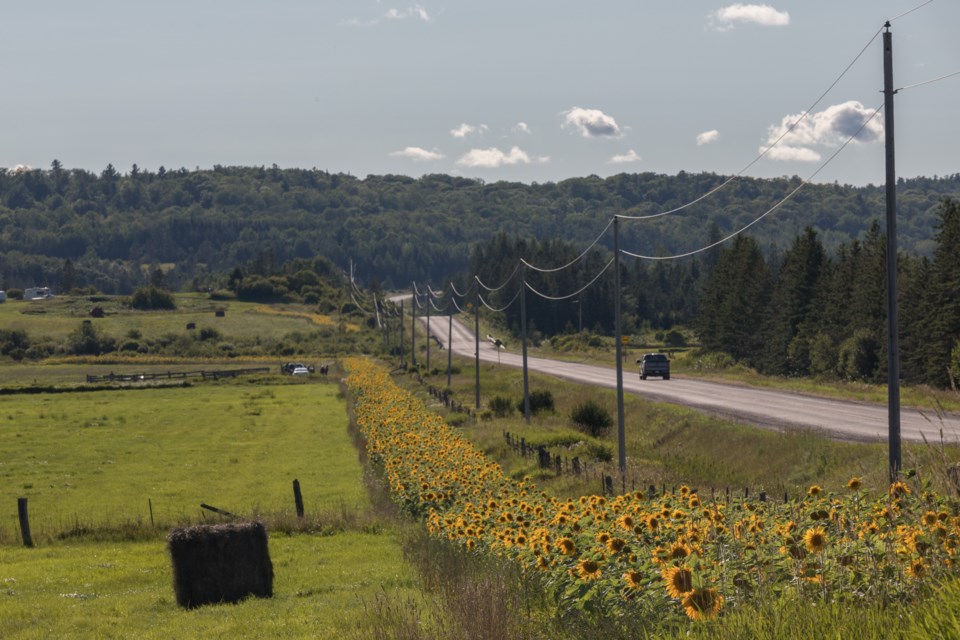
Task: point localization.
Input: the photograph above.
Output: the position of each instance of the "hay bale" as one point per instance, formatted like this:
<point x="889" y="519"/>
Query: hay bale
<point x="220" y="563"/>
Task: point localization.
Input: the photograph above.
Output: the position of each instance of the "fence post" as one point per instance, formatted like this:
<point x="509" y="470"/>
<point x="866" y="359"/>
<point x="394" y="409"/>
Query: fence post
<point x="24" y="522"/>
<point x="298" y="498"/>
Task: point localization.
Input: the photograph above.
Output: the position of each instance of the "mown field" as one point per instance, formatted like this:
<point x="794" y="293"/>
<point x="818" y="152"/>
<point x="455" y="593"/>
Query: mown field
<point x="91" y="463"/>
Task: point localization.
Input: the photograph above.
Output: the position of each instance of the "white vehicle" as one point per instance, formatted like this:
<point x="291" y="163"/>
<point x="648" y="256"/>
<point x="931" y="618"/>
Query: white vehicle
<point x="300" y="371"/>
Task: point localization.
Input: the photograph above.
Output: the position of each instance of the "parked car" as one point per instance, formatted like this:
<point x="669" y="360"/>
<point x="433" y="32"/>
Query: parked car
<point x="654" y="364"/>
<point x="300" y="371"/>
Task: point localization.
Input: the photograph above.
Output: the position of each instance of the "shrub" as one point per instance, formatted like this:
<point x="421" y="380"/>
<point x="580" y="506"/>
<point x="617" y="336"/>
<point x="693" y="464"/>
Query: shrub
<point x="539" y="401"/>
<point x="501" y="407"/>
<point x="152" y="298"/>
<point x="674" y="339"/>
<point x="591" y="418"/>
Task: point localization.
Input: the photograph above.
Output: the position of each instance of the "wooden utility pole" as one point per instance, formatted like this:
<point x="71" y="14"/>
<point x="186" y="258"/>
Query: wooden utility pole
<point x="476" y="342"/>
<point x="621" y="432"/>
<point x="523" y="336"/>
<point x="893" y="327"/>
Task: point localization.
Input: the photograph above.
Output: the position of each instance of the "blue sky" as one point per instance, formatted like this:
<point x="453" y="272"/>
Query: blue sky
<point x="526" y="90"/>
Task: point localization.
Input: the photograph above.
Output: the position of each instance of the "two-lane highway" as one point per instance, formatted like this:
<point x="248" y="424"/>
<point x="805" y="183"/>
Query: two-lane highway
<point x="775" y="409"/>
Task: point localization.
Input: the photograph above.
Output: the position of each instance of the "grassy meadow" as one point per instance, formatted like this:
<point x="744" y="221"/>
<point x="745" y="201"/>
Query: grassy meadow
<point x="91" y="464"/>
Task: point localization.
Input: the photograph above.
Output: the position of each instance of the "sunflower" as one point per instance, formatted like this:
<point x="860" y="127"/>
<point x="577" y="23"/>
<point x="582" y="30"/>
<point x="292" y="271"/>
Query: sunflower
<point x="589" y="569"/>
<point x="616" y="545"/>
<point x="815" y="539"/>
<point x="694" y="501"/>
<point x="566" y="546"/>
<point x="854" y="484"/>
<point x="917" y="569"/>
<point x="679" y="550"/>
<point x="603" y="537"/>
<point x="899" y="489"/>
<point x="702" y="604"/>
<point x="929" y="518"/>
<point x="679" y="581"/>
<point x="814" y="490"/>
<point x="634" y="579"/>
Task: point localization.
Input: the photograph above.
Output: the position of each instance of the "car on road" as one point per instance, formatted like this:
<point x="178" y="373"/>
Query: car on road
<point x="654" y="364"/>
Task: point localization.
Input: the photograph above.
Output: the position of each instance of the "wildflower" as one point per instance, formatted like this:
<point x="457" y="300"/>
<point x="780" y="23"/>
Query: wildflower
<point x="702" y="604"/>
<point x="815" y="539"/>
<point x="589" y="569"/>
<point x="679" y="581"/>
<point x="634" y="579"/>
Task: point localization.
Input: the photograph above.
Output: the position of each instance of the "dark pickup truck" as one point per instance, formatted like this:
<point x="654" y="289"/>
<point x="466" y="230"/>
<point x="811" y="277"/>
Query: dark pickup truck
<point x="654" y="364"/>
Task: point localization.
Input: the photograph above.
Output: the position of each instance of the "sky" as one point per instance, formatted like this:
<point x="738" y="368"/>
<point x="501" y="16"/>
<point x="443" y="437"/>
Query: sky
<point x="520" y="90"/>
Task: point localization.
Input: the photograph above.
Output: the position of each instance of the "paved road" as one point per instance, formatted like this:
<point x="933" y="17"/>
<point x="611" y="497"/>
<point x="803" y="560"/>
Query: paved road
<point x="773" y="409"/>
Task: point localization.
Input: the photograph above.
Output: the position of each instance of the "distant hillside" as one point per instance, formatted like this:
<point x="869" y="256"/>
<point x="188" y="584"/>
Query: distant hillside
<point x="200" y="224"/>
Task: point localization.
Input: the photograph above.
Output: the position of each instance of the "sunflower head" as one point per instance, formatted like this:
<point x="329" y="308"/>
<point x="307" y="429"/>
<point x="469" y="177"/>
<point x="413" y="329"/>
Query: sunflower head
<point x="589" y="569"/>
<point x="679" y="581"/>
<point x="702" y="604"/>
<point x="634" y="579"/>
<point x="815" y="539"/>
<point x="854" y="484"/>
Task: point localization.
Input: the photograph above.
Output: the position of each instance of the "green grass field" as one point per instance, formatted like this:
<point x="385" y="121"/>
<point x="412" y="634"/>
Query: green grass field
<point x="89" y="463"/>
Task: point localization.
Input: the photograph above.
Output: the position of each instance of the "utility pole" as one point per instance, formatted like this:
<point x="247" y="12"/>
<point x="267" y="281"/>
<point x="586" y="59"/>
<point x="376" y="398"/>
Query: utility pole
<point x="893" y="328"/>
<point x="449" y="340"/>
<point x="523" y="336"/>
<point x="401" y="333"/>
<point x="476" y="341"/>
<point x="429" y="303"/>
<point x="413" y="326"/>
<point x="621" y="433"/>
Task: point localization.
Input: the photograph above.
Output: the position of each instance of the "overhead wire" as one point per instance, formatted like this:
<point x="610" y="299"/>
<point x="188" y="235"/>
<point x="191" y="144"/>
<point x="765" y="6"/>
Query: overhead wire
<point x="920" y="6"/>
<point x="575" y="260"/>
<point x="575" y="293"/>
<point x="767" y="150"/>
<point x="505" y="307"/>
<point x="920" y="84"/>
<point x="516" y="268"/>
<point x="802" y="184"/>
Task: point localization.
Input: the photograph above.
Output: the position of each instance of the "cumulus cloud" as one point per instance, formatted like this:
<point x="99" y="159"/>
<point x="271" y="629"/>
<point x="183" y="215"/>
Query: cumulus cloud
<point x="591" y="123"/>
<point x="521" y="127"/>
<point x="465" y="130"/>
<point x="828" y="128"/>
<point x="493" y="158"/>
<point x="707" y="137"/>
<point x="417" y="154"/>
<point x="416" y="12"/>
<point x="624" y="158"/>
<point x="764" y="15"/>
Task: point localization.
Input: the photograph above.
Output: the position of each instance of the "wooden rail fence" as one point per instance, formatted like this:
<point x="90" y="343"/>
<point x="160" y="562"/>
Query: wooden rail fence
<point x="175" y="375"/>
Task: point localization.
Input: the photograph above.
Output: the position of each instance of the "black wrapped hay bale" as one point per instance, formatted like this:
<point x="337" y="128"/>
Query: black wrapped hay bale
<point x="220" y="563"/>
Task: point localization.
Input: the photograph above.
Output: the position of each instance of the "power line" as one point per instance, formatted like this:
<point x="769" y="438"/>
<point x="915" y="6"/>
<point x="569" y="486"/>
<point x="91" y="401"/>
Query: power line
<point x="575" y="293"/>
<point x="920" y="84"/>
<point x="505" y="282"/>
<point x="505" y="307"/>
<point x="575" y="260"/>
<point x="910" y="11"/>
<point x="802" y="184"/>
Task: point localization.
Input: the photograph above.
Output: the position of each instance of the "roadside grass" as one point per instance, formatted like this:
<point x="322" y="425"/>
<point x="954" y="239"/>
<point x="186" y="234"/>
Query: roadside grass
<point x="668" y="445"/>
<point x="88" y="462"/>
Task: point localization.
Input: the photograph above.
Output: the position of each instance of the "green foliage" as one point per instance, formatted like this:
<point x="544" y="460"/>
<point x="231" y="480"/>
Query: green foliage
<point x="592" y="418"/>
<point x="152" y="297"/>
<point x="501" y="406"/>
<point x="674" y="338"/>
<point x="540" y="400"/>
<point x="859" y="356"/>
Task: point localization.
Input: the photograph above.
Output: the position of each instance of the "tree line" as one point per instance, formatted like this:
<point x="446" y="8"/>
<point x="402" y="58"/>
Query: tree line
<point x="70" y="228"/>
<point x="805" y="311"/>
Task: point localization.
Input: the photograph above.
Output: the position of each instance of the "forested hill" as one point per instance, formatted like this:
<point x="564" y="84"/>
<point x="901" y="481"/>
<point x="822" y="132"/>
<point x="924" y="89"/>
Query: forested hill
<point x="396" y="228"/>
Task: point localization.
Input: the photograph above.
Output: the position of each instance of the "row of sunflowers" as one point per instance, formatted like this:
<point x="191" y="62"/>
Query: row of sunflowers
<point x="669" y="555"/>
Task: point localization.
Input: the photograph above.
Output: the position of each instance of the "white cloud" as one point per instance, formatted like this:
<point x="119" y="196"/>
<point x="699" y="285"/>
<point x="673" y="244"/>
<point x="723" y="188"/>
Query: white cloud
<point x="762" y="14"/>
<point x="521" y="127"/>
<point x="707" y="137"/>
<point x="20" y="168"/>
<point x="493" y="158"/>
<point x="465" y="130"/>
<point x="416" y="11"/>
<point x="418" y="154"/>
<point x="591" y="123"/>
<point x="828" y="128"/>
<point x="624" y="158"/>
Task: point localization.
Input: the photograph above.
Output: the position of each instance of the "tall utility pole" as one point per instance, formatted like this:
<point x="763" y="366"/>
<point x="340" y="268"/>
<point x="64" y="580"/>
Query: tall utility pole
<point x="621" y="432"/>
<point x="893" y="327"/>
<point x="413" y="326"/>
<point x="523" y="336"/>
<point x="400" y="322"/>
<point x="449" y="339"/>
<point x="429" y="303"/>
<point x="476" y="341"/>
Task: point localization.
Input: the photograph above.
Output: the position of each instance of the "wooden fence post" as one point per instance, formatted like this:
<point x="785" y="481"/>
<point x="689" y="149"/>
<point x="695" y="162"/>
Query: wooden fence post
<point x="24" y="522"/>
<point x="298" y="498"/>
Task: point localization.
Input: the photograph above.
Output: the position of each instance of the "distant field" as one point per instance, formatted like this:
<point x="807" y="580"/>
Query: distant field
<point x="89" y="463"/>
<point x="96" y="458"/>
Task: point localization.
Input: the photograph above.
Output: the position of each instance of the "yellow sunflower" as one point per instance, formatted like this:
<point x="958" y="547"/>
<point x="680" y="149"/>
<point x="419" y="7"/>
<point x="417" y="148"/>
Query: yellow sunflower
<point x="589" y="569"/>
<point x="679" y="581"/>
<point x="814" y="490"/>
<point x="679" y="550"/>
<point x="854" y="484"/>
<point x="566" y="546"/>
<point x="815" y="539"/>
<point x="616" y="545"/>
<point x="634" y="579"/>
<point x="702" y="604"/>
<point x="917" y="569"/>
